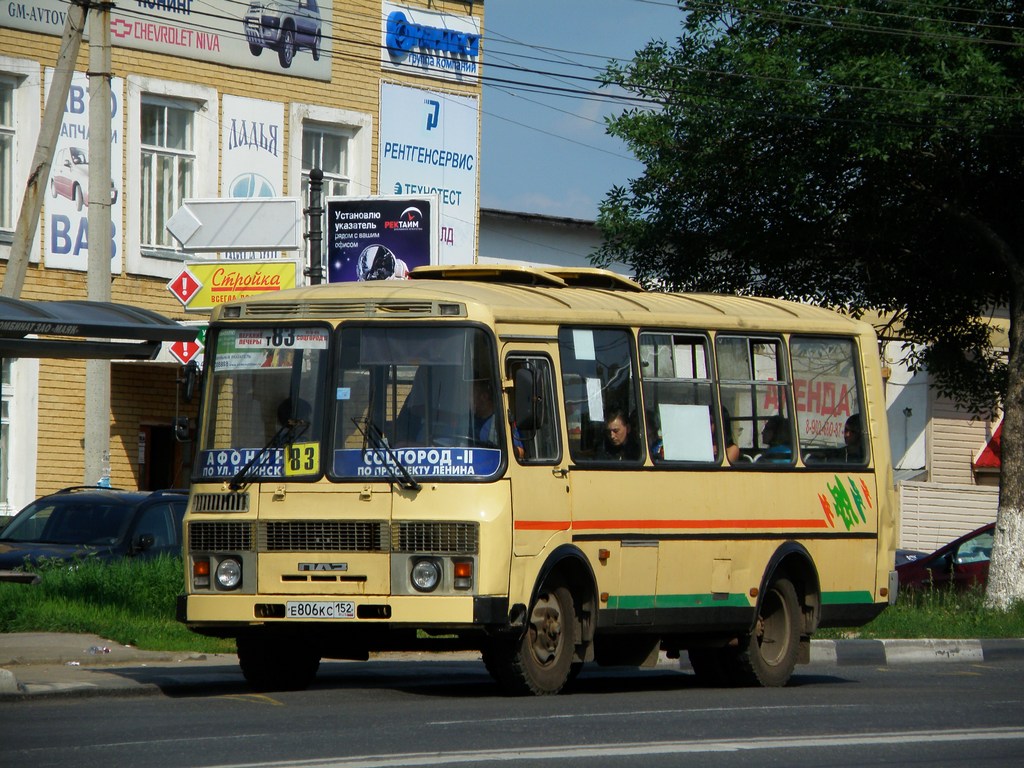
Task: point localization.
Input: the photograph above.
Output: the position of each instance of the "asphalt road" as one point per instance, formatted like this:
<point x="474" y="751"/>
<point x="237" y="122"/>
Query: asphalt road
<point x="448" y="712"/>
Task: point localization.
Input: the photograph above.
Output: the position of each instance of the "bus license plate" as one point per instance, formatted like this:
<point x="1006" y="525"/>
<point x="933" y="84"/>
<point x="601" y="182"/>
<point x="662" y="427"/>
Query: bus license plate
<point x="320" y="609"/>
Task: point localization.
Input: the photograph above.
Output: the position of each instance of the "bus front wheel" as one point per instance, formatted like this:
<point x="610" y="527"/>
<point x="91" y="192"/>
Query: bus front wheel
<point x="276" y="664"/>
<point x="540" y="661"/>
<point x="768" y="657"/>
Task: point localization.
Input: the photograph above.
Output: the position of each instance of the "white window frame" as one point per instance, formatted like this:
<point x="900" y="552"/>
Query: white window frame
<point x="358" y="126"/>
<point x="159" y="262"/>
<point x="330" y="178"/>
<point x="26" y="77"/>
<point x="21" y="392"/>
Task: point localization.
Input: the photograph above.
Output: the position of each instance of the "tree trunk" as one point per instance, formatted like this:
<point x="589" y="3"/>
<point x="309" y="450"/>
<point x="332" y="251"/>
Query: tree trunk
<point x="1006" y="572"/>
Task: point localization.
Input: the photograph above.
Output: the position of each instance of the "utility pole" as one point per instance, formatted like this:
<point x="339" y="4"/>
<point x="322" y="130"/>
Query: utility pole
<point x="315" y="270"/>
<point x="97" y="372"/>
<point x="53" y="118"/>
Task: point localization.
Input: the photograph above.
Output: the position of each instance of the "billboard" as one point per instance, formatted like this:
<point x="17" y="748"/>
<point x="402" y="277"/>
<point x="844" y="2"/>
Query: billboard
<point x="289" y="37"/>
<point x="252" y="135"/>
<point x="428" y="146"/>
<point x="67" y="204"/>
<point x="431" y="44"/>
<point x="379" y="238"/>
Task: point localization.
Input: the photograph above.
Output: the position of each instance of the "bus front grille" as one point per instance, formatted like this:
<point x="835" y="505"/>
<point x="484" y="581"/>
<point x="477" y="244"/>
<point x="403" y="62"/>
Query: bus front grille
<point x="323" y="536"/>
<point x="209" y="536"/>
<point x="436" y="537"/>
<point x="454" y="538"/>
<point x="220" y="502"/>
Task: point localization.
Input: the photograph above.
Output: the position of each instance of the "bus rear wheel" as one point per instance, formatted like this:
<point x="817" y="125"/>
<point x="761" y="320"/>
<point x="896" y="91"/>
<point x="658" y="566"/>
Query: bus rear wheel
<point x="768" y="657"/>
<point x="276" y="664"/>
<point x="539" y="662"/>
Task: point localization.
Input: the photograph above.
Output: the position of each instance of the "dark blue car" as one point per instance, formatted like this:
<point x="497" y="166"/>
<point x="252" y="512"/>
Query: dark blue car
<point x="106" y="523"/>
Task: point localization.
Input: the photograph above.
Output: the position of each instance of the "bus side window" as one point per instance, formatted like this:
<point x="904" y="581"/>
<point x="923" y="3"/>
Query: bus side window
<point x="829" y="399"/>
<point x="755" y="391"/>
<point x="599" y="386"/>
<point x="676" y="378"/>
<point x="533" y="415"/>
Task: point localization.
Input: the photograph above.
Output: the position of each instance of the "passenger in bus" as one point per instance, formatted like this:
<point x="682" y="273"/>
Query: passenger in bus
<point x="853" y="436"/>
<point x="732" y="451"/>
<point x="775" y="434"/>
<point x="620" y="443"/>
<point x="657" y="446"/>
<point x="297" y="414"/>
<point x="484" y="426"/>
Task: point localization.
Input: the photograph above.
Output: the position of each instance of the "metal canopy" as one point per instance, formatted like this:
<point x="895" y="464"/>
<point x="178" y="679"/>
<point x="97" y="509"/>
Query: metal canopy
<point x="84" y="329"/>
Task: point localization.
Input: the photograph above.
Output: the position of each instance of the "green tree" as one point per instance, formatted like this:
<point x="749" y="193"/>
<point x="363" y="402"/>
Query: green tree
<point x="858" y="155"/>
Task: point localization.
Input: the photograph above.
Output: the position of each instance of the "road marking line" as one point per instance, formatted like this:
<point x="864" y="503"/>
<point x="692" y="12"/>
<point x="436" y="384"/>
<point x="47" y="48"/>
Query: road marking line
<point x="601" y="751"/>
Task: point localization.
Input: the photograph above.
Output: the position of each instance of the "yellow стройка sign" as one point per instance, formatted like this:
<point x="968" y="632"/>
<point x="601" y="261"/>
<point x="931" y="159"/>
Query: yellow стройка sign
<point x="224" y="281"/>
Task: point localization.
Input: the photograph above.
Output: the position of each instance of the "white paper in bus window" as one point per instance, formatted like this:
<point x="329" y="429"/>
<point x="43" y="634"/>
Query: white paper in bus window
<point x="595" y="400"/>
<point x="686" y="432"/>
<point x="583" y="344"/>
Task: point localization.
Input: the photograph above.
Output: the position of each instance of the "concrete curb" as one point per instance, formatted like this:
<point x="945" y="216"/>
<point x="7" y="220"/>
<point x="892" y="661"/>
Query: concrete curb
<point x="8" y="682"/>
<point x="891" y="652"/>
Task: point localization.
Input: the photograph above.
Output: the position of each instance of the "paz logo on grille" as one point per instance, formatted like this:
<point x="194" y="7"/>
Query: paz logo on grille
<point x="323" y="566"/>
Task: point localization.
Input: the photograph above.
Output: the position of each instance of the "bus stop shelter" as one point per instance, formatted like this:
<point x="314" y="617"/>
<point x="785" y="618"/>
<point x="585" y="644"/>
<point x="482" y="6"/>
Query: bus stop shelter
<point x="84" y="330"/>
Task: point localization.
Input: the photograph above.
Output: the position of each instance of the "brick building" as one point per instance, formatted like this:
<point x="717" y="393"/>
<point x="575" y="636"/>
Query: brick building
<point x="214" y="99"/>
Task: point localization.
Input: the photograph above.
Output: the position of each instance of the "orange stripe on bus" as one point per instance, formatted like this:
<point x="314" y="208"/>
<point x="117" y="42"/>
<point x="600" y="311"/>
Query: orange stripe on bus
<point x="541" y="525"/>
<point x="593" y="525"/>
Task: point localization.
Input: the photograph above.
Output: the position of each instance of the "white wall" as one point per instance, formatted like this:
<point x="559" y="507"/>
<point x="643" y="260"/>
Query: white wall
<point x="531" y="240"/>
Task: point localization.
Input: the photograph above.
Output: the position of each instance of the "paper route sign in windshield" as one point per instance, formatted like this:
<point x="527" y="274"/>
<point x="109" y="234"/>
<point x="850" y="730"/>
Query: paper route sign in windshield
<point x="418" y="462"/>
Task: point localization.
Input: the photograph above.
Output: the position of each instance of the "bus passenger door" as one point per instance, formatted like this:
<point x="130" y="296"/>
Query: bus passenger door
<point x="537" y="468"/>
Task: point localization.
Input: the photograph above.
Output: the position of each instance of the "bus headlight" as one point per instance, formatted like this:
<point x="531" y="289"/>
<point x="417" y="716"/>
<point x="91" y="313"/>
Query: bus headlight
<point x="229" y="573"/>
<point x="425" y="575"/>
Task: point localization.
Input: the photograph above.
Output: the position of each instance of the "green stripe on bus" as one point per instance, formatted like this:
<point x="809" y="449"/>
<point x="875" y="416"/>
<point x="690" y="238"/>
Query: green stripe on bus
<point x="632" y="602"/>
<point x="846" y="598"/>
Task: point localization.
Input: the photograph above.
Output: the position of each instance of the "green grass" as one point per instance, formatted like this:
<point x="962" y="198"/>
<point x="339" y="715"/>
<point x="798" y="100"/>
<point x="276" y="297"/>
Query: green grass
<point x="939" y="613"/>
<point x="133" y="603"/>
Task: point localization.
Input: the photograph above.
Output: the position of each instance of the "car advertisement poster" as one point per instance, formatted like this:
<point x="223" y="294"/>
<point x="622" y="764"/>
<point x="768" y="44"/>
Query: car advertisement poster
<point x="250" y="159"/>
<point x="429" y="146"/>
<point x="379" y="238"/>
<point x="290" y="37"/>
<point x="68" y="194"/>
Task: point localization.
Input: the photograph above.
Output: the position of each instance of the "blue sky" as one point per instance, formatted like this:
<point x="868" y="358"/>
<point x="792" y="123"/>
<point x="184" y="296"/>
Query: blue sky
<point x="548" y="153"/>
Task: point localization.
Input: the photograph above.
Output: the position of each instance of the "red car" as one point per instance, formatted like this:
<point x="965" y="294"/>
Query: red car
<point x="961" y="564"/>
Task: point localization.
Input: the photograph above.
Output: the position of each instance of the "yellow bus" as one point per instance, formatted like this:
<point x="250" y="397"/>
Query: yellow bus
<point x="552" y="467"/>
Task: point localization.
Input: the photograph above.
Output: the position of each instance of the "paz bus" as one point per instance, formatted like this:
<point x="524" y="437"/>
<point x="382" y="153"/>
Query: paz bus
<point x="427" y="463"/>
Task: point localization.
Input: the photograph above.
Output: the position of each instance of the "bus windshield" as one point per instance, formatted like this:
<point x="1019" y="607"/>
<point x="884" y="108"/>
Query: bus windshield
<point x="265" y="401"/>
<point x="420" y="400"/>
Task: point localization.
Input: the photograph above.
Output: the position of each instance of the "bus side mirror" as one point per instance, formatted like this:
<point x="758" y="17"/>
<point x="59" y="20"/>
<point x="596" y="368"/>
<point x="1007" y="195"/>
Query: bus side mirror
<point x="189" y="381"/>
<point x="526" y="406"/>
<point x="182" y="430"/>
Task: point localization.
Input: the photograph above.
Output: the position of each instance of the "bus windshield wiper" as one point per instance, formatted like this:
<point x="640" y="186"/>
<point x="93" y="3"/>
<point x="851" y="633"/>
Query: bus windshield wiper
<point x="372" y="433"/>
<point x="286" y="435"/>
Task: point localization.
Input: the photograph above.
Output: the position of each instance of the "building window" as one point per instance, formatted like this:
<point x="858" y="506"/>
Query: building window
<point x="326" y="148"/>
<point x="167" y="168"/>
<point x="337" y="141"/>
<point x="172" y="133"/>
<point x="6" y="155"/>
